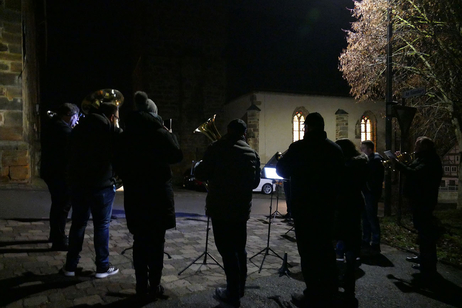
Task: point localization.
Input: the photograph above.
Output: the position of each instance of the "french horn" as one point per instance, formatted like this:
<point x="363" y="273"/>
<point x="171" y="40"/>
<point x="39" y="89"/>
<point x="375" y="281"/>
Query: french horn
<point x="209" y="129"/>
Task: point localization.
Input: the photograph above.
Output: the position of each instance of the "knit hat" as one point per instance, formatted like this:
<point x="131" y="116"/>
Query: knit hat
<point x="237" y="127"/>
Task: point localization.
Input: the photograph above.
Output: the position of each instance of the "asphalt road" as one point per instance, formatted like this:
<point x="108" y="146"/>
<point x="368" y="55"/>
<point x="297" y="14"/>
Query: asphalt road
<point x="35" y="203"/>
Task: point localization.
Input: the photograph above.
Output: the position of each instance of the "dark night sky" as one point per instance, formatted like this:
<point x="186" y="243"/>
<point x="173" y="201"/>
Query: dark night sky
<point x="281" y="45"/>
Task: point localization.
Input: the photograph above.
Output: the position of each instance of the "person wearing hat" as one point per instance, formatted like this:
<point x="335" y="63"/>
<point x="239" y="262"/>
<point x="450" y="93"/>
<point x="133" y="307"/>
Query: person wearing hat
<point x="314" y="165"/>
<point x="54" y="169"/>
<point x="232" y="169"/>
<point x="147" y="149"/>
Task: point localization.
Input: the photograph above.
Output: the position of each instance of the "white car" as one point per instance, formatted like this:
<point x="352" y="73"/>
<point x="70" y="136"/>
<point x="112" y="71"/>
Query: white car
<point x="266" y="186"/>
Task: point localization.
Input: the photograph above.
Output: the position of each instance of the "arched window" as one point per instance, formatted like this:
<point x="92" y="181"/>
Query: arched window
<point x="368" y="127"/>
<point x="298" y="126"/>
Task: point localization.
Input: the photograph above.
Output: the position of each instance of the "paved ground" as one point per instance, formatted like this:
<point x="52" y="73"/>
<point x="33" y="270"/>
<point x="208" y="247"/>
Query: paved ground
<point x="29" y="271"/>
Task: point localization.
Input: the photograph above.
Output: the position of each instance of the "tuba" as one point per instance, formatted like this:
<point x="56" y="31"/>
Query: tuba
<point x="108" y="96"/>
<point x="209" y="129"/>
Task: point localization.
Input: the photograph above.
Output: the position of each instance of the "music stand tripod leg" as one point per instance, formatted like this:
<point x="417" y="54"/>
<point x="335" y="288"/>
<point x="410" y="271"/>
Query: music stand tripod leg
<point x="205" y="253"/>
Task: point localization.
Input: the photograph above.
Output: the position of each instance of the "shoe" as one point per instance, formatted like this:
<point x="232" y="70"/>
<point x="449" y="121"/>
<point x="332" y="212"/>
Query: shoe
<point x="222" y="294"/>
<point x="112" y="270"/>
<point x="157" y="292"/>
<point x="415" y="259"/>
<point x="299" y="300"/>
<point x="416" y="266"/>
<point x="59" y="247"/>
<point x="68" y="272"/>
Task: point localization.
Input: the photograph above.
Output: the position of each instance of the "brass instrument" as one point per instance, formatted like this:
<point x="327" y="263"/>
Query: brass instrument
<point x="209" y="129"/>
<point x="95" y="99"/>
<point x="405" y="158"/>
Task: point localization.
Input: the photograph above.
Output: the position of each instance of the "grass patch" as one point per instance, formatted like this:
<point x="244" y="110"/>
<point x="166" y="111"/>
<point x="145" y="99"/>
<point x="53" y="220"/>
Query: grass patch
<point x="404" y="236"/>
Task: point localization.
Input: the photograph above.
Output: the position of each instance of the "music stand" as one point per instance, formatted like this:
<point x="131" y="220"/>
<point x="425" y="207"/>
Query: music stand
<point x="276" y="213"/>
<point x="267" y="249"/>
<point x="205" y="253"/>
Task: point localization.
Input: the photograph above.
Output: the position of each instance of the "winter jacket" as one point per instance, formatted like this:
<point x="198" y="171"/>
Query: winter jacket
<point x="92" y="152"/>
<point x="314" y="166"/>
<point x="143" y="162"/>
<point x="232" y="169"/>
<point x="55" y="149"/>
<point x="375" y="174"/>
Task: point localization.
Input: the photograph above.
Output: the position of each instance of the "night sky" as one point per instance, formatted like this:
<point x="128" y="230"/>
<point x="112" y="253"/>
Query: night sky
<point x="279" y="45"/>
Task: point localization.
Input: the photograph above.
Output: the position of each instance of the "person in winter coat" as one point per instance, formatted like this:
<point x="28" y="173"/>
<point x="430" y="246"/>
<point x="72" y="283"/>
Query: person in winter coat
<point x="54" y="170"/>
<point x="372" y="191"/>
<point x="314" y="166"/>
<point x="147" y="150"/>
<point x="232" y="169"/>
<point x="423" y="179"/>
<point x="93" y="185"/>
<point x="349" y="208"/>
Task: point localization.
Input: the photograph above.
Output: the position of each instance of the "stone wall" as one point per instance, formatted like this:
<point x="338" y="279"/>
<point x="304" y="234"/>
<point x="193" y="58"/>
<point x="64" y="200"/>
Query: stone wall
<point x="18" y="91"/>
<point x="341" y="124"/>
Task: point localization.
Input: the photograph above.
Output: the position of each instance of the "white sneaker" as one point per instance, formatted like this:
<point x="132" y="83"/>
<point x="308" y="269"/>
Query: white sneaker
<point x="68" y="273"/>
<point x="112" y="270"/>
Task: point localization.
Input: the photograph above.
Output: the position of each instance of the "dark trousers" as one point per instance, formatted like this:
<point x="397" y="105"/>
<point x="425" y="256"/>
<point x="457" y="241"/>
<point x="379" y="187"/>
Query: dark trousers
<point x="428" y="235"/>
<point x="317" y="256"/>
<point x="60" y="207"/>
<point x="230" y="239"/>
<point x="148" y="259"/>
<point x="352" y="250"/>
<point x="371" y="226"/>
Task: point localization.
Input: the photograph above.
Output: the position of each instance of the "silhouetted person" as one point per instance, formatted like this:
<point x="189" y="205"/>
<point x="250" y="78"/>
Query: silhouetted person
<point x="372" y="191"/>
<point x="232" y="169"/>
<point x="314" y="165"/>
<point x="54" y="170"/>
<point x="423" y="179"/>
<point x="147" y="150"/>
<point x="93" y="185"/>
<point x="348" y="214"/>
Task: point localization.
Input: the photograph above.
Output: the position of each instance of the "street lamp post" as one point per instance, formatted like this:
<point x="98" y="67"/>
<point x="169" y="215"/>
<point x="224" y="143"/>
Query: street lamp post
<point x="389" y="105"/>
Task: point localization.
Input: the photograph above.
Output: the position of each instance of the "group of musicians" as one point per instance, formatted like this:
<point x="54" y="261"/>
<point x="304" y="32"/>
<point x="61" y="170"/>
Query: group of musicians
<point x="79" y="163"/>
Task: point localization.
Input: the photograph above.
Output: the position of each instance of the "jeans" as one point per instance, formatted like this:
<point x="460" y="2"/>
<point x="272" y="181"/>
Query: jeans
<point x="371" y="226"/>
<point x="148" y="259"/>
<point x="99" y="204"/>
<point x="230" y="239"/>
<point x="428" y="235"/>
<point x="60" y="207"/>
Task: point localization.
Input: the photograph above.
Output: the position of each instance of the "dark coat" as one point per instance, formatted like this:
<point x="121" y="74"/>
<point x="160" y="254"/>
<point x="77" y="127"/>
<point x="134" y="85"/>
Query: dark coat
<point x="55" y="149"/>
<point x="314" y="166"/>
<point x="92" y="152"/>
<point x="375" y="174"/>
<point x="350" y="199"/>
<point x="232" y="169"/>
<point x="423" y="179"/>
<point x="147" y="149"/>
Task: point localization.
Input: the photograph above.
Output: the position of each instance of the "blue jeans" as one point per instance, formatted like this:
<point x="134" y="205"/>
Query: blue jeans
<point x="99" y="204"/>
<point x="371" y="226"/>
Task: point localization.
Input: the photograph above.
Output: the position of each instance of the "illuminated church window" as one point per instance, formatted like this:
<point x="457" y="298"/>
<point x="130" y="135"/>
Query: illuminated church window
<point x="368" y="127"/>
<point x="298" y="126"/>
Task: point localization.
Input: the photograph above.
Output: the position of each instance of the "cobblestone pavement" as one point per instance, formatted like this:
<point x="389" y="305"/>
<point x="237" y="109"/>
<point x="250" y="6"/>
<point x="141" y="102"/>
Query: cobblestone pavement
<point x="29" y="271"/>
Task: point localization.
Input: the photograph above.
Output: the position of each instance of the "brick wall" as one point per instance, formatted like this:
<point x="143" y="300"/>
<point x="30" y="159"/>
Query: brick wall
<point x="18" y="89"/>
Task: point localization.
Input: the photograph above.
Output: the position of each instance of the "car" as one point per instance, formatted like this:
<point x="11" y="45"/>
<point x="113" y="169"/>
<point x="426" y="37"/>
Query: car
<point x="266" y="186"/>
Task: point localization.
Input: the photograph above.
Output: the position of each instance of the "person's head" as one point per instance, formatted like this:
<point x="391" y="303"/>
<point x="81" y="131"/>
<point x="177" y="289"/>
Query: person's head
<point x="237" y="128"/>
<point x="314" y="122"/>
<point x="367" y="147"/>
<point x="348" y="148"/>
<point x="143" y="103"/>
<point x="423" y="144"/>
<point x="69" y="113"/>
<point x="109" y="110"/>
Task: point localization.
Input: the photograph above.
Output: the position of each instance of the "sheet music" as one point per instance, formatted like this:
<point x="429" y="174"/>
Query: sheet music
<point x="390" y="154"/>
